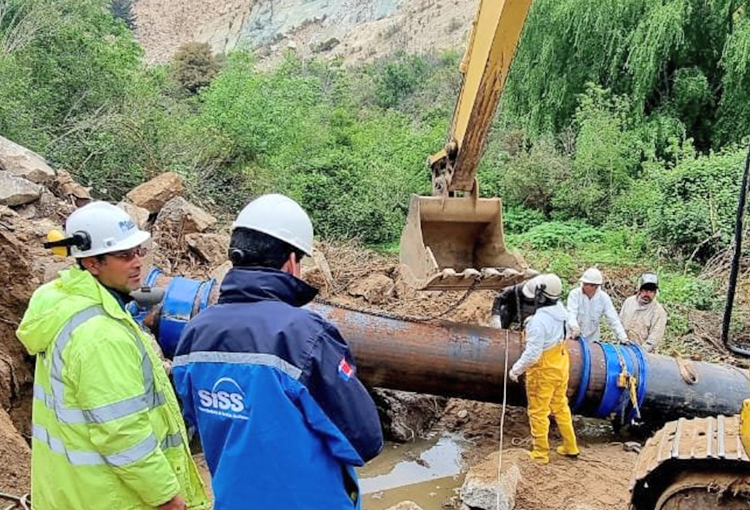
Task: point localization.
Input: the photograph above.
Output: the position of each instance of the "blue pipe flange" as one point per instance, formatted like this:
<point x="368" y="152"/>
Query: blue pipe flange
<point x="585" y="373"/>
<point x="205" y="294"/>
<point x="642" y="375"/>
<point x="612" y="393"/>
<point x="176" y="310"/>
<point x="151" y="277"/>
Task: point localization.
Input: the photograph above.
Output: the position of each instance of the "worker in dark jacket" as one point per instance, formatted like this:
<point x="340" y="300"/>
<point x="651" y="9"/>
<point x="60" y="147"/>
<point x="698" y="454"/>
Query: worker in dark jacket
<point x="271" y="387"/>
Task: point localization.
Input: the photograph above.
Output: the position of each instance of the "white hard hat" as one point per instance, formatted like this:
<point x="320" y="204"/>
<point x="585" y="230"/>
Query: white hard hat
<point x="592" y="275"/>
<point x="281" y="217"/>
<point x="648" y="278"/>
<point x="107" y="227"/>
<point x="550" y="284"/>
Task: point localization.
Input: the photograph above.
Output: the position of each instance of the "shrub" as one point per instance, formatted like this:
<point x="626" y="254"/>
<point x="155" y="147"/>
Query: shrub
<point x="699" y="202"/>
<point x="194" y="66"/>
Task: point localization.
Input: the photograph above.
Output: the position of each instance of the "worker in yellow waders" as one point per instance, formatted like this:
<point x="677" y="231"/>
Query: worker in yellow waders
<point x="546" y="363"/>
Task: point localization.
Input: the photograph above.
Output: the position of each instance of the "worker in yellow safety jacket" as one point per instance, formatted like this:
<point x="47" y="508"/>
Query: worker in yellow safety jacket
<point x="546" y="363"/>
<point x="107" y="429"/>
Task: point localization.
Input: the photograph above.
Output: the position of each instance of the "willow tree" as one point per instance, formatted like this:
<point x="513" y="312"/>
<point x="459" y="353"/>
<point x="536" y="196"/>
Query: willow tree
<point x="677" y="60"/>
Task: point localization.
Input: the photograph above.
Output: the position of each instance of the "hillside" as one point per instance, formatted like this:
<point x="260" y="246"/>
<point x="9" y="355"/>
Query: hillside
<point x="357" y="30"/>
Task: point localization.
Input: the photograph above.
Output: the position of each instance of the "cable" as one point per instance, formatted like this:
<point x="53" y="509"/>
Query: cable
<point x="502" y="418"/>
<point x="735" y="265"/>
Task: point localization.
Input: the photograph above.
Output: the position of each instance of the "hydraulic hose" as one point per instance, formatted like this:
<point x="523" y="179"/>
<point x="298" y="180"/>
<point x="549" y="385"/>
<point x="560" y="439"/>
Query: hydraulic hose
<point x="735" y="265"/>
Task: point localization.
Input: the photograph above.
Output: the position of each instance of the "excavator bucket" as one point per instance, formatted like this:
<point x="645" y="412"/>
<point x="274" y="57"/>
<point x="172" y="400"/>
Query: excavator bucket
<point x="457" y="243"/>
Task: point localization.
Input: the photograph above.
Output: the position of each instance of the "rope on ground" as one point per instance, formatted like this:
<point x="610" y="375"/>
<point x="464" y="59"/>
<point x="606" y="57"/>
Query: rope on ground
<point x="521" y="442"/>
<point x="502" y="419"/>
<point x="22" y="501"/>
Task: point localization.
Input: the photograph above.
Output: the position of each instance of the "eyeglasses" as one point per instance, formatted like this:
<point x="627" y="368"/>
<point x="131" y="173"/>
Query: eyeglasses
<point x="128" y="255"/>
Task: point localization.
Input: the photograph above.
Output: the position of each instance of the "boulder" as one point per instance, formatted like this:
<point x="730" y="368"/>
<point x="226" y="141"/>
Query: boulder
<point x="407" y="416"/>
<point x="481" y="487"/>
<point x="154" y="194"/>
<point x="69" y="190"/>
<point x="139" y="214"/>
<point x="24" y="163"/>
<point x="212" y="248"/>
<point x="220" y="272"/>
<point x="376" y="288"/>
<point x="179" y="217"/>
<point x="405" y="505"/>
<point x="15" y="191"/>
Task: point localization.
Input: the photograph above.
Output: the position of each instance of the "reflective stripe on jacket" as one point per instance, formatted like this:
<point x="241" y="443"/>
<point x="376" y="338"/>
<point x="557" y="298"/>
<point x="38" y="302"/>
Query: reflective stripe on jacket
<point x="274" y="393"/>
<point x="107" y="431"/>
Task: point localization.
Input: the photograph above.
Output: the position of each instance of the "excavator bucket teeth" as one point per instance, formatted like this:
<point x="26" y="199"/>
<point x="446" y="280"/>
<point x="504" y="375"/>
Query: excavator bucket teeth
<point x="457" y="243"/>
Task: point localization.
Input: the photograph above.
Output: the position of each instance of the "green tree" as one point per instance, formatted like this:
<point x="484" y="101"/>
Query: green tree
<point x="670" y="57"/>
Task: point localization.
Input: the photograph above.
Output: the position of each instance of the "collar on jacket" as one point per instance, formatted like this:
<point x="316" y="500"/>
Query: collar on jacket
<point x="55" y="302"/>
<point x="249" y="285"/>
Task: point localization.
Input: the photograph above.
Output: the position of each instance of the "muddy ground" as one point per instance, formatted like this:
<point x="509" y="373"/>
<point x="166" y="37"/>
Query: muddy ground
<point x="349" y="275"/>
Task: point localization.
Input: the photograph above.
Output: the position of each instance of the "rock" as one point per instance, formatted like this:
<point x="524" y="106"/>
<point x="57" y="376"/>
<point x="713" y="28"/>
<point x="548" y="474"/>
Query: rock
<point x="375" y="288"/>
<point x="27" y="211"/>
<point x="179" y="217"/>
<point x="15" y="191"/>
<point x="220" y="272"/>
<point x="154" y="194"/>
<point x="631" y="446"/>
<point x="49" y="206"/>
<point x="7" y="211"/>
<point x="54" y="266"/>
<point x="462" y="414"/>
<point x="15" y="470"/>
<point x="24" y="163"/>
<point x="406" y="416"/>
<point x="317" y="272"/>
<point x="210" y="247"/>
<point x="69" y="190"/>
<point x="480" y="488"/>
<point x="405" y="505"/>
<point x="139" y="214"/>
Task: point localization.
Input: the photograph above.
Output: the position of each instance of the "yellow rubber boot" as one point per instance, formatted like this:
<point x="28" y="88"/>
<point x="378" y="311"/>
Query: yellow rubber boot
<point x="539" y="457"/>
<point x="561" y="450"/>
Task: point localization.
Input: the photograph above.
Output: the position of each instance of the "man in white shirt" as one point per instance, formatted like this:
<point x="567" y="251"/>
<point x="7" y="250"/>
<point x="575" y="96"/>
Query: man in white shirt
<point x="587" y="304"/>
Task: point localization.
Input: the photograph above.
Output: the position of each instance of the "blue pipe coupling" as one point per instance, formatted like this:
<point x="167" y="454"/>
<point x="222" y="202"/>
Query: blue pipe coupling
<point x="184" y="298"/>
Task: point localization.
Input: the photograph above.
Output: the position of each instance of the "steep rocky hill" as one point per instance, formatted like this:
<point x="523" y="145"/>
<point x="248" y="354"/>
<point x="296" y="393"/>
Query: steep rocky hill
<point x="357" y="30"/>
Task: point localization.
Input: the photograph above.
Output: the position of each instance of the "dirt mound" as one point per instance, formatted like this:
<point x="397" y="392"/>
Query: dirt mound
<point x="15" y="470"/>
<point x="597" y="480"/>
<point x="367" y="281"/>
<point x="24" y="265"/>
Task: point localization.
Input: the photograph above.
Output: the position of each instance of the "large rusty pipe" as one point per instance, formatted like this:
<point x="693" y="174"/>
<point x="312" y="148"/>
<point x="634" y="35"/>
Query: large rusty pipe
<point x="468" y="361"/>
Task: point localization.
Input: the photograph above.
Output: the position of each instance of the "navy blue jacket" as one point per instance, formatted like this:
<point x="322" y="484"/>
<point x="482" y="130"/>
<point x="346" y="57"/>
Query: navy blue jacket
<point x="273" y="391"/>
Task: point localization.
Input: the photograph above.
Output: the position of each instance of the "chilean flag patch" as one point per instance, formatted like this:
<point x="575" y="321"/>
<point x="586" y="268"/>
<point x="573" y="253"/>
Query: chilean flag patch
<point x="346" y="371"/>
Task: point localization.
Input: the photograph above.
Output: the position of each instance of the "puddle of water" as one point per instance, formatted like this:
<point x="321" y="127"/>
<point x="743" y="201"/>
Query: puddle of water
<point x="427" y="472"/>
<point x="428" y="495"/>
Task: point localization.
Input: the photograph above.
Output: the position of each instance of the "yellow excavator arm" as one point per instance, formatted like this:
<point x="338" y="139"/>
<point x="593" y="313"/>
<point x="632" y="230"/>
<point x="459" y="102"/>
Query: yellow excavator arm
<point x="451" y="242"/>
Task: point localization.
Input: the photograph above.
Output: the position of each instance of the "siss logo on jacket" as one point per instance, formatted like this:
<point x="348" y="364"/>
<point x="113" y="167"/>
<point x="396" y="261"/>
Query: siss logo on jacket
<point x="226" y="399"/>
